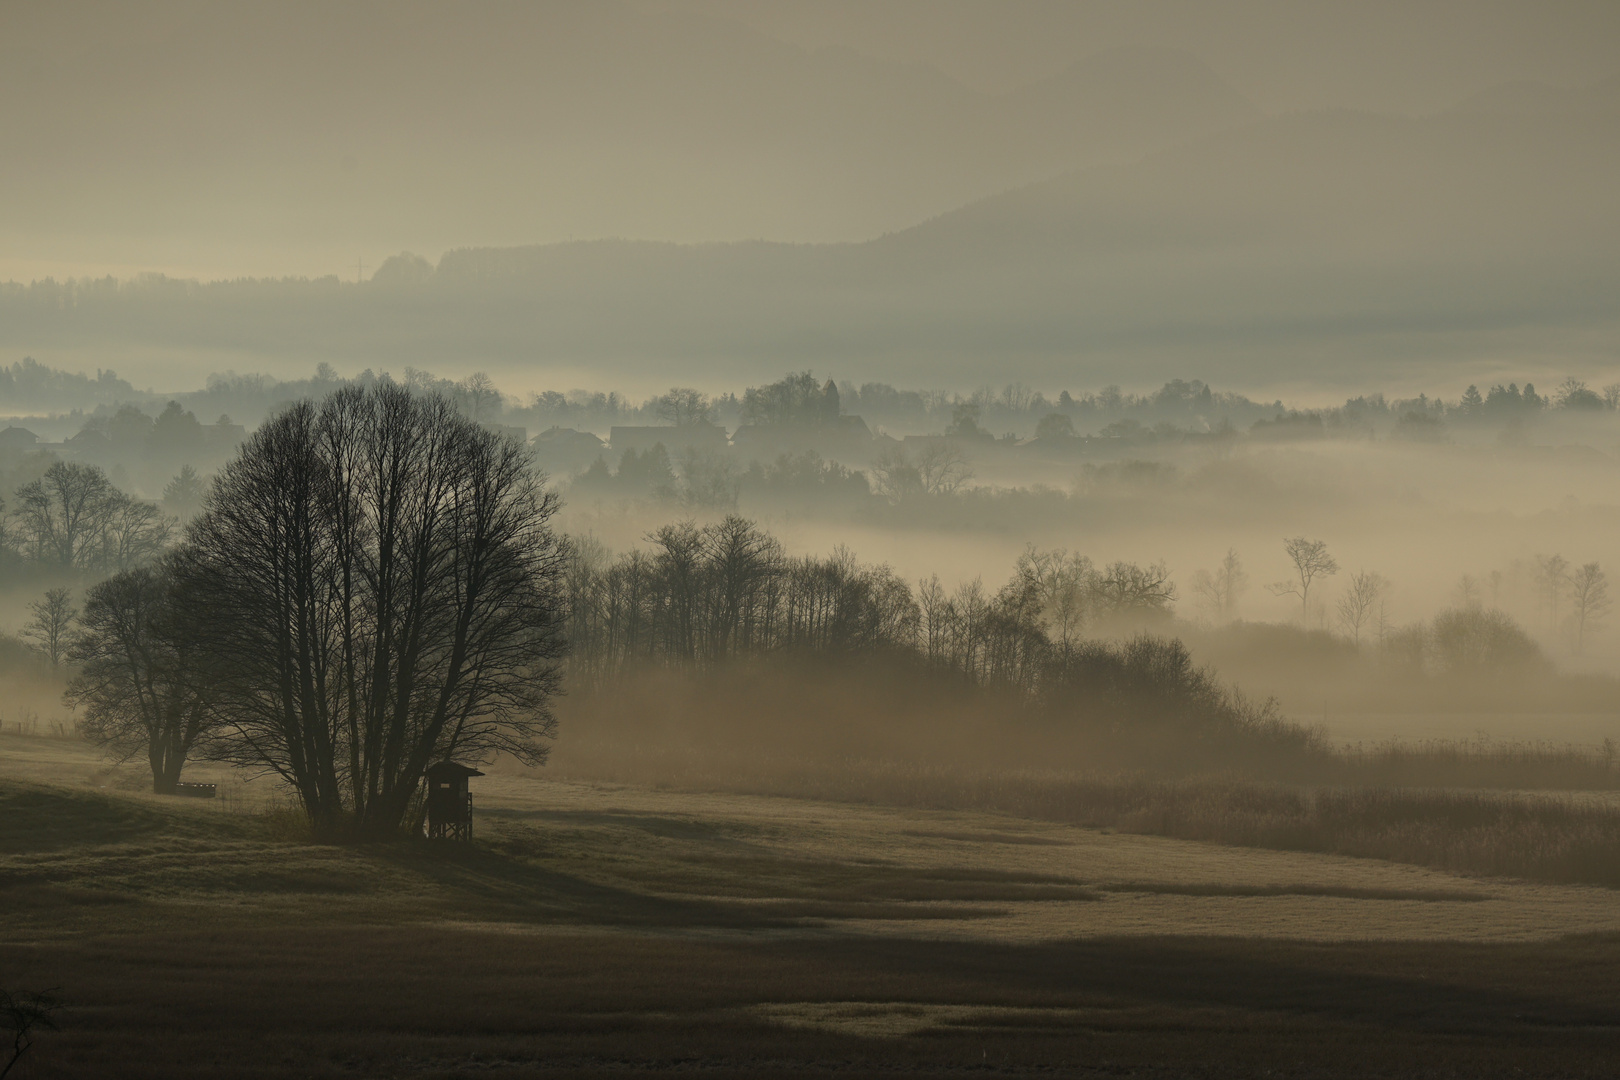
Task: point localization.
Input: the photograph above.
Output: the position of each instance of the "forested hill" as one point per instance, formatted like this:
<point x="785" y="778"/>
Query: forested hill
<point x="1369" y="243"/>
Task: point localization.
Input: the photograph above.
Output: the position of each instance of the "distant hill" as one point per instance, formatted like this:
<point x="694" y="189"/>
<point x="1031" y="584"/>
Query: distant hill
<point x="1336" y="246"/>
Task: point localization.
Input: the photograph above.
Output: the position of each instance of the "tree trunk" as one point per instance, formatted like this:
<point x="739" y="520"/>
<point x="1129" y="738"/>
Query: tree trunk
<point x="165" y="770"/>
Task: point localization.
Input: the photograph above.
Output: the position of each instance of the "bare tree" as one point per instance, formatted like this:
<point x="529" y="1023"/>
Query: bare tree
<point x="1311" y="561"/>
<point x="683" y="406"/>
<point x="942" y="469"/>
<point x="1355" y="607"/>
<point x="1589" y="601"/>
<point x="23" y="1014"/>
<point x="938" y="469"/>
<point x="136" y="533"/>
<point x="478" y="397"/>
<point x="970" y="612"/>
<point x="678" y="562"/>
<point x="53" y="620"/>
<point x="1219" y="589"/>
<point x="1061" y="584"/>
<point x="741" y="560"/>
<point x="1467" y="593"/>
<point x="377" y="586"/>
<point x="63" y="516"/>
<point x="73" y="518"/>
<point x="894" y="476"/>
<point x="1552" y="580"/>
<point x="1125" y="588"/>
<point x="935" y="611"/>
<point x="142" y="681"/>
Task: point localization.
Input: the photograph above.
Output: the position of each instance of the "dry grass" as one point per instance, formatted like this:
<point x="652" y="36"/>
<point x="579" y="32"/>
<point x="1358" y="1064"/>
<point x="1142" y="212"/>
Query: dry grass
<point x="1536" y="837"/>
<point x="1541" y="837"/>
<point x="597" y="930"/>
<point x="318" y="1001"/>
<point x="1482" y="763"/>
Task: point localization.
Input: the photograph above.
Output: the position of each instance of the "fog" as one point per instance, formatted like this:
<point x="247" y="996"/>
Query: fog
<point x="1450" y="504"/>
<point x="799" y="537"/>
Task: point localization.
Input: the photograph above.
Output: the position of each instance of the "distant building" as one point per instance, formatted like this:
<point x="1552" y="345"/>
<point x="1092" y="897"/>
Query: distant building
<point x="18" y="439"/>
<point x="968" y="444"/>
<point x="831" y="406"/>
<point x="700" y="437"/>
<point x="842" y="438"/>
<point x="521" y="434"/>
<point x="564" y="451"/>
<point x="91" y="441"/>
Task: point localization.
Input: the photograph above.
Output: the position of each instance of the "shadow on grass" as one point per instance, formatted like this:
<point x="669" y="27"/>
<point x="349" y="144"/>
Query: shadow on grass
<point x="1421" y="986"/>
<point x="662" y="826"/>
<point x="39" y="818"/>
<point x="396" y="998"/>
<point x="513" y="888"/>
<point x="1341" y="892"/>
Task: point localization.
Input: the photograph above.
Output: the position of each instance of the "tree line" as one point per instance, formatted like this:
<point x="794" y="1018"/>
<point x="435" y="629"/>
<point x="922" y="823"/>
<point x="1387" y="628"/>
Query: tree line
<point x="708" y="594"/>
<point x="1062" y="634"/>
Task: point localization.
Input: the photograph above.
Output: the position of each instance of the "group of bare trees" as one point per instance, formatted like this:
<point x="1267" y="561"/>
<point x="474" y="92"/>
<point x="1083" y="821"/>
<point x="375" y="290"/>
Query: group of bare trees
<point x="704" y="594"/>
<point x="372" y="585"/>
<point x="73" y="520"/>
<point x="684" y="407"/>
<point x="1053" y="600"/>
<point x="1062" y="633"/>
<point x="938" y="469"/>
<point x="701" y="595"/>
<point x="1220" y="588"/>
<point x="1576" y="598"/>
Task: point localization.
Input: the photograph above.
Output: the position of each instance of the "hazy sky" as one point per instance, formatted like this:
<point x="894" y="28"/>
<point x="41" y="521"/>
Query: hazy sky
<point x="213" y="140"/>
<point x="1415" y="55"/>
<point x="1276" y="194"/>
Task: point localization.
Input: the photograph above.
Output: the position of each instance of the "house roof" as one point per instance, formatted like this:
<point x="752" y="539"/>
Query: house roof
<point x="452" y="768"/>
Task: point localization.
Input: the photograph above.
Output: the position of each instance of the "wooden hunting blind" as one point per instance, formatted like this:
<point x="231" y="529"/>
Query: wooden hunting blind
<point x="449" y="803"/>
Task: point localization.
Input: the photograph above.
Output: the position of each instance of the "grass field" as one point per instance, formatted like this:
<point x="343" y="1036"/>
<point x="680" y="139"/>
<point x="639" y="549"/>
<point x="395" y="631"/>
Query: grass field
<point x="604" y="929"/>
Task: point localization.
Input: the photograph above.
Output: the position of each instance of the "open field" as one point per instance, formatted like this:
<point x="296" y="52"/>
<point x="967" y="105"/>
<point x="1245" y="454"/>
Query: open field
<point x="599" y="929"/>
